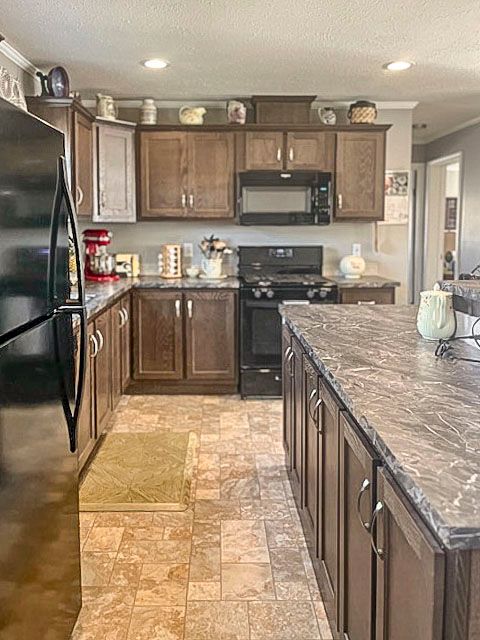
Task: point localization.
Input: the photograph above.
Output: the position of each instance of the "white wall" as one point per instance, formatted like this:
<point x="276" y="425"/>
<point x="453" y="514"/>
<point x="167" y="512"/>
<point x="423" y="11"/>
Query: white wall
<point x="391" y="261"/>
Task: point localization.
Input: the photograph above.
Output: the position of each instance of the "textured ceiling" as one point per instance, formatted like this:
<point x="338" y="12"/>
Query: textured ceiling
<point x="334" y="48"/>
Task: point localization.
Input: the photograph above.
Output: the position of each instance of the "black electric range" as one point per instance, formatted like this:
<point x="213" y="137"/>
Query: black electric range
<point x="270" y="276"/>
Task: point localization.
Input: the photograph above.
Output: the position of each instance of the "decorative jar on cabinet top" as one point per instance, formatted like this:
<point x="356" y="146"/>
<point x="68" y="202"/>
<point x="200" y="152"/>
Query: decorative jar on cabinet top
<point x="148" y="112"/>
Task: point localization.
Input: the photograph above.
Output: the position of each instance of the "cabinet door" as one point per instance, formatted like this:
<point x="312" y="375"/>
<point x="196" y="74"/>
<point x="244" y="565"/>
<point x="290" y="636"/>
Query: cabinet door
<point x="117" y="321"/>
<point x="410" y="570"/>
<point x="103" y="378"/>
<point x="163" y="174"/>
<point x="86" y="422"/>
<point x="367" y="295"/>
<point x="311" y="151"/>
<point x="211" y="335"/>
<point x="83" y="164"/>
<point x="264" y="150"/>
<point x="357" y="494"/>
<point x="360" y="175"/>
<point x="116" y="174"/>
<point x="158" y="335"/>
<point x="126" y="343"/>
<point x="328" y="517"/>
<point x="312" y="458"/>
<point x="210" y="175"/>
<point x="296" y="473"/>
<point x="287" y="384"/>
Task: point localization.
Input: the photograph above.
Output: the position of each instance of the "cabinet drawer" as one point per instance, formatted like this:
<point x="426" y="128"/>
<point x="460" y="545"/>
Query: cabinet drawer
<point x="362" y="295"/>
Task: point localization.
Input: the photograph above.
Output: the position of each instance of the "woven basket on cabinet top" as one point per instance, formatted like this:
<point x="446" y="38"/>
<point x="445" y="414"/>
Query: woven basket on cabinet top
<point x="362" y="112"/>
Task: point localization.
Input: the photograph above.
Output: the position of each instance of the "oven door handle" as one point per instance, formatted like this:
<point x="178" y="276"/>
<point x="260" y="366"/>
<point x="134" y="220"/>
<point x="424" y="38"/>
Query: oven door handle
<point x="289" y="302"/>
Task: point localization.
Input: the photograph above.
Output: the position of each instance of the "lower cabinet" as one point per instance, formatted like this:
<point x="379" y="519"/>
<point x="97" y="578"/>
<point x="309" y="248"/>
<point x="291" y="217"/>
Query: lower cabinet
<point x="381" y="572"/>
<point x="367" y="295"/>
<point x="185" y="340"/>
<point x="107" y="372"/>
<point x="410" y="569"/>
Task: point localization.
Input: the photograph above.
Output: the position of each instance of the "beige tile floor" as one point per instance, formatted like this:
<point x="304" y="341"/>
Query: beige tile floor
<point x="234" y="566"/>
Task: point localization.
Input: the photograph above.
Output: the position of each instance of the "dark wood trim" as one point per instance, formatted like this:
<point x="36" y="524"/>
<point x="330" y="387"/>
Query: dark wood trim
<point x="51" y="102"/>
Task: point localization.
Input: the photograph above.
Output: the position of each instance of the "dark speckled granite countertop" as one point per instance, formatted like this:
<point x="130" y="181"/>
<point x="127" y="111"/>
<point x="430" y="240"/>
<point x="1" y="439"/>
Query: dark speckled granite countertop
<point x="422" y="414"/>
<point x="364" y="282"/>
<point x="102" y="294"/>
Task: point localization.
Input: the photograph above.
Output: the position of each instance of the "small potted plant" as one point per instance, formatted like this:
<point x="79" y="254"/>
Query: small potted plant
<point x="213" y="250"/>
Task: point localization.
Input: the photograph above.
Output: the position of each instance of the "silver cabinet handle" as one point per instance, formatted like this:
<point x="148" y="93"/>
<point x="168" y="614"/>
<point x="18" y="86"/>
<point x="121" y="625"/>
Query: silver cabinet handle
<point x="127" y="315"/>
<point x="290" y="154"/>
<point x="366" y="302"/>
<point x="178" y="308"/>
<point x="380" y="553"/>
<point x="100" y="339"/>
<point x="279" y="154"/>
<point x="122" y="317"/>
<point x="190" y="308"/>
<point x="339" y="201"/>
<point x="365" y="487"/>
<point x="318" y="404"/>
<point x="190" y="200"/>
<point x="313" y="393"/>
<point x="79" y="195"/>
<point x="291" y="373"/>
<point x="93" y="340"/>
<point x="184" y="200"/>
<point x="287" y="351"/>
<point x="103" y="200"/>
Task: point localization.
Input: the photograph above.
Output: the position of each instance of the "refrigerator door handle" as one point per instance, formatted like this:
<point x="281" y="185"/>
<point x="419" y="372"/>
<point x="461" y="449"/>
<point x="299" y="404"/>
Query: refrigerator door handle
<point x="74" y="228"/>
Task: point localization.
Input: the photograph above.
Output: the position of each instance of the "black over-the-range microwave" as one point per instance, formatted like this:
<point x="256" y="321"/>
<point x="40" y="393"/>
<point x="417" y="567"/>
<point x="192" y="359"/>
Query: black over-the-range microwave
<point x="284" y="197"/>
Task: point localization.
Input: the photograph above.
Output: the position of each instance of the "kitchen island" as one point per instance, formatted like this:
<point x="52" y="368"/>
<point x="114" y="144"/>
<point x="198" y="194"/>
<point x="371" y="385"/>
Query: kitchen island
<point x="412" y="423"/>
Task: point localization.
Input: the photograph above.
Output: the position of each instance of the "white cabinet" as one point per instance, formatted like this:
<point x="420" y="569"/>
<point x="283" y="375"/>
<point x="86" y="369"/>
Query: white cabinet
<point x="116" y="172"/>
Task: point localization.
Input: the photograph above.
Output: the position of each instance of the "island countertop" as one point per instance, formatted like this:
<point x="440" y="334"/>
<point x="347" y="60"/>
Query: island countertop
<point x="420" y="413"/>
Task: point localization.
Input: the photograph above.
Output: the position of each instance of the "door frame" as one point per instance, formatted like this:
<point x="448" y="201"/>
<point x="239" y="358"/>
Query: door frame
<point x="434" y="196"/>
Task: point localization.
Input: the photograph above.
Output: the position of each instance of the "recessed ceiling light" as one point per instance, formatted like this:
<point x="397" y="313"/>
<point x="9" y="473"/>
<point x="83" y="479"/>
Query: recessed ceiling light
<point x="398" y="65"/>
<point x="155" y="63"/>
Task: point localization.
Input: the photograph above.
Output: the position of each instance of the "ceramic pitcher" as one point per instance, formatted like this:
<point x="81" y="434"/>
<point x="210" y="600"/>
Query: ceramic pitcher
<point x="436" y="317"/>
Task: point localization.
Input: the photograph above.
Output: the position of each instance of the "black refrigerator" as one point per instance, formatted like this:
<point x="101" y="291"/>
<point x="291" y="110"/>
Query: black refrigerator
<point x="40" y="385"/>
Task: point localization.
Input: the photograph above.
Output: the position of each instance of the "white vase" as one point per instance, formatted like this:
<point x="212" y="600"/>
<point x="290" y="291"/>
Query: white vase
<point x="148" y="112"/>
<point x="212" y="267"/>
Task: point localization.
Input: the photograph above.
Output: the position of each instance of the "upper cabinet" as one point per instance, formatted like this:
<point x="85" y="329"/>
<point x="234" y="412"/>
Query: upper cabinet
<point x="210" y="175"/>
<point x="116" y="172"/>
<point x="299" y="150"/>
<point x="264" y="150"/>
<point x="76" y="122"/>
<point x="187" y="175"/>
<point x="360" y="175"/>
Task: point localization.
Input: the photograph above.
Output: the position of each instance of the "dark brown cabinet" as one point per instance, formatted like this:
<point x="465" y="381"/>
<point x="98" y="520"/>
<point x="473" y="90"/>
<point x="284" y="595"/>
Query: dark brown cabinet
<point x="120" y="328"/>
<point x="357" y="496"/>
<point x="410" y="570"/>
<point x="126" y="342"/>
<point x="367" y="295"/>
<point x="210" y="335"/>
<point x="296" y="459"/>
<point x="158" y="335"/>
<point x="327" y="545"/>
<point x="287" y="385"/>
<point x="103" y="380"/>
<point x="360" y="175"/>
<point x="311" y="150"/>
<point x="76" y="122"/>
<point x="187" y="175"/>
<point x="186" y="338"/>
<point x="210" y="175"/>
<point x="312" y="490"/>
<point x="86" y="421"/>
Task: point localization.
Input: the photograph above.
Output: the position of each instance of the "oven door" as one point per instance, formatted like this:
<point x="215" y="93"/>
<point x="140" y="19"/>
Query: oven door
<point x="260" y="339"/>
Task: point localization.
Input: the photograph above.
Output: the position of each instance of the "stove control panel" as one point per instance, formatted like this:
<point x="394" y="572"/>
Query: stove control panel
<point x="263" y="292"/>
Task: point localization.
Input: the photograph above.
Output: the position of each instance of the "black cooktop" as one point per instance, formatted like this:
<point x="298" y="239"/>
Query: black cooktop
<point x="266" y="279"/>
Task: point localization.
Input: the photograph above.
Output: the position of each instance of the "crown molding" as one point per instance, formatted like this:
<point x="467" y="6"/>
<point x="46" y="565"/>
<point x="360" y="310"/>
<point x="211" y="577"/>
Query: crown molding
<point x="447" y="132"/>
<point x="381" y="104"/>
<point x="18" y="59"/>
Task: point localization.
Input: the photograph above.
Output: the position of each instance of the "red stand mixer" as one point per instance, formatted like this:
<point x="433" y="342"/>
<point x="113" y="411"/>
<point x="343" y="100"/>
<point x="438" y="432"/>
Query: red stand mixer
<point x="99" y="264"/>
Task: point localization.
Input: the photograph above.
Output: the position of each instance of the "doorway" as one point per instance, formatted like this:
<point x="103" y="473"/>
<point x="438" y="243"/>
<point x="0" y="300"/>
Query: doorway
<point x="442" y="219"/>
